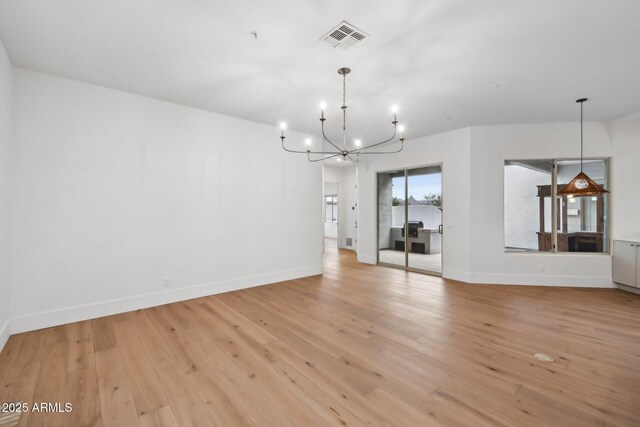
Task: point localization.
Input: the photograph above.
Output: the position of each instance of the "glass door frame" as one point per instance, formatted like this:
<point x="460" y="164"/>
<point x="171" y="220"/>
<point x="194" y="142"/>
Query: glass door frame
<point x="406" y="266"/>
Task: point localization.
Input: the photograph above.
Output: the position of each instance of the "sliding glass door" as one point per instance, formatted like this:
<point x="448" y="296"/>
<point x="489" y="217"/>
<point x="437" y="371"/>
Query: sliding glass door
<point x="410" y="219"/>
<point x="391" y="217"/>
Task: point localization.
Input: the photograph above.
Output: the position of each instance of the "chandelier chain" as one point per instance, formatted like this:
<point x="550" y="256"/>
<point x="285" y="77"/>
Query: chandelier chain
<point x="344" y="89"/>
<point x="344" y="104"/>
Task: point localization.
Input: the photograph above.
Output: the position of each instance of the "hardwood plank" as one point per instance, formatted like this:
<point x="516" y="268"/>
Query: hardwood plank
<point x="116" y="400"/>
<point x="163" y="417"/>
<point x="332" y="410"/>
<point x="83" y="394"/>
<point x="245" y="388"/>
<point x="398" y="411"/>
<point x="21" y="366"/>
<point x="226" y="411"/>
<point x="187" y="406"/>
<point x="52" y="386"/>
<point x="174" y="339"/>
<point x="148" y="393"/>
<point x="81" y="347"/>
<point x="103" y="336"/>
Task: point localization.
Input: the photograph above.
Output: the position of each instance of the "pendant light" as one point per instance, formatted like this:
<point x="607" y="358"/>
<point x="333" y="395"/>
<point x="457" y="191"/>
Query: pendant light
<point x="581" y="185"/>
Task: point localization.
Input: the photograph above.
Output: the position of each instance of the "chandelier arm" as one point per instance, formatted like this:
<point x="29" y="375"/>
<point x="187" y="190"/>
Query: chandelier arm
<point x="351" y="158"/>
<point x="290" y="151"/>
<point x="385" y="152"/>
<point x="308" y="151"/>
<point x="322" y="158"/>
<point x="328" y="140"/>
<point x="324" y="152"/>
<point x="380" y="143"/>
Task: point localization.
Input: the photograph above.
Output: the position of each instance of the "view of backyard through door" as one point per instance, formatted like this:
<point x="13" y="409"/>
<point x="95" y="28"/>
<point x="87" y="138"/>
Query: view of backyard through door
<point x="410" y="219"/>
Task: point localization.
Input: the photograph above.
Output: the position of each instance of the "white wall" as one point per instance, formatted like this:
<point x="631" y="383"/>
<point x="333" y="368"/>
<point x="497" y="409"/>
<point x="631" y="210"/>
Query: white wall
<point x="430" y="216"/>
<point x="451" y="149"/>
<point x="625" y="177"/>
<point x="490" y="147"/>
<point x="113" y="192"/>
<point x="473" y="199"/>
<point x="6" y="71"/>
<point x="330" y="188"/>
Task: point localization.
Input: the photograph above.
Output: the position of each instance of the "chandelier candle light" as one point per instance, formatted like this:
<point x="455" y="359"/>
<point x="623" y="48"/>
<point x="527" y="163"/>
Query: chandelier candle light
<point x="344" y="152"/>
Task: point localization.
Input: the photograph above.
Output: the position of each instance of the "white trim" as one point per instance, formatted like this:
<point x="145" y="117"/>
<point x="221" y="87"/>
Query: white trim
<point x="515" y="279"/>
<point x="62" y="316"/>
<point x="459" y="275"/>
<point x="542" y="280"/>
<point x="5" y="333"/>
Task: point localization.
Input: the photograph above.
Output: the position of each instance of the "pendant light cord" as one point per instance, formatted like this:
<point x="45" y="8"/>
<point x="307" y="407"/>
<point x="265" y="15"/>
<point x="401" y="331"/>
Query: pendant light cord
<point x="581" y="142"/>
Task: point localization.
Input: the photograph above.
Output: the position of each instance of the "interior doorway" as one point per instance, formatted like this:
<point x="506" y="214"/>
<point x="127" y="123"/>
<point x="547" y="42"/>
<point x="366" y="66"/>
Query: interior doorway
<point x="330" y="214"/>
<point x="410" y="219"/>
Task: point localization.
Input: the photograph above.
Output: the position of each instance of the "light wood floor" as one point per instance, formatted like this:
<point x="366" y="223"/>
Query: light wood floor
<point x="361" y="345"/>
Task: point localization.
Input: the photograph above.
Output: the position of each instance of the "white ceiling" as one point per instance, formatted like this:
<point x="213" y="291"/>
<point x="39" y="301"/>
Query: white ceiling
<point x="440" y="60"/>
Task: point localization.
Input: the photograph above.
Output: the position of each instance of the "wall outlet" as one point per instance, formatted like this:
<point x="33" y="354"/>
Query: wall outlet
<point x="167" y="282"/>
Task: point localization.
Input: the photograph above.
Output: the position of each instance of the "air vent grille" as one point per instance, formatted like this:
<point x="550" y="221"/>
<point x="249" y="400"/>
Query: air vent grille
<point x="338" y="35"/>
<point x="344" y="35"/>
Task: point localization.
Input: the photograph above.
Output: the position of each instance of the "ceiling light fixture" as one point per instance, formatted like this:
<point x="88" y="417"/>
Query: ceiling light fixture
<point x="344" y="152"/>
<point x="581" y="185"/>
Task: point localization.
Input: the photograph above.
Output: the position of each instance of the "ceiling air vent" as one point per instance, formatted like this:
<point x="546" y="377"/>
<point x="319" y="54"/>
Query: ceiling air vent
<point x="344" y="35"/>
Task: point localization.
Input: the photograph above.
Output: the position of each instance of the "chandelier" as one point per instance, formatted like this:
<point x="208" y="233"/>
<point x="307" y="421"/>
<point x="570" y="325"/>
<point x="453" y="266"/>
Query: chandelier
<point x="345" y="152"/>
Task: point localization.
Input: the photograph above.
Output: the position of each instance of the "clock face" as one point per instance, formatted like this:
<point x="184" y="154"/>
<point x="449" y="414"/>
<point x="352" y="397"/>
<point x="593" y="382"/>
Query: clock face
<point x="581" y="184"/>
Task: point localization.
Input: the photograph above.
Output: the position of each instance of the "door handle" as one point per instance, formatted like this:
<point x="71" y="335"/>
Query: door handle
<point x="440" y="229"/>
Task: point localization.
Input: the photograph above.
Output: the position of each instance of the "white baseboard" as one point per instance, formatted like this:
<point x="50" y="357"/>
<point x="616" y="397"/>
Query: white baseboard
<point x="5" y="332"/>
<point x="542" y="280"/>
<point x="459" y="275"/>
<point x="62" y="316"/>
<point x="515" y="279"/>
